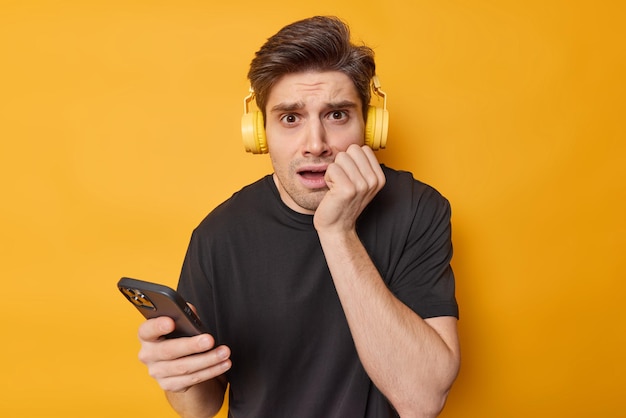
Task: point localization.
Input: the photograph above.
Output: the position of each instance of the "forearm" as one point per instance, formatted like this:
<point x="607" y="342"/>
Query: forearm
<point x="410" y="362"/>
<point x="199" y="401"/>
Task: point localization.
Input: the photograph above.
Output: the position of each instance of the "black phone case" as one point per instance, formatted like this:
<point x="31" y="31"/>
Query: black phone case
<point x="153" y="300"/>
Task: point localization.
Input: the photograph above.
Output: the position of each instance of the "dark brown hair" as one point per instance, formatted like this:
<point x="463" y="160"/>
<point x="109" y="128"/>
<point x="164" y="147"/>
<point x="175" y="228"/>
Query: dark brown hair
<point x="320" y="43"/>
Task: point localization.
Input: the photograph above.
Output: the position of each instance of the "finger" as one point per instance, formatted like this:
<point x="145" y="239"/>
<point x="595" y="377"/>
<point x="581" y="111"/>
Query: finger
<point x="154" y="329"/>
<point x="181" y="383"/>
<point x="375" y="165"/>
<point x="338" y="173"/>
<point x="363" y="174"/>
<point x="178" y="375"/>
<point x="216" y="359"/>
<point x="181" y="347"/>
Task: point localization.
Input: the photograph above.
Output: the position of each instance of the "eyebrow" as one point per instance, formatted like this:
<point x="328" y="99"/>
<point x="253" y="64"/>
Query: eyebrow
<point x="290" y="107"/>
<point x="287" y="107"/>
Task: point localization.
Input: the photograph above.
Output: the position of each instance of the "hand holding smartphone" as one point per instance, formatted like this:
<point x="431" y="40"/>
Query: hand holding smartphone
<point x="153" y="300"/>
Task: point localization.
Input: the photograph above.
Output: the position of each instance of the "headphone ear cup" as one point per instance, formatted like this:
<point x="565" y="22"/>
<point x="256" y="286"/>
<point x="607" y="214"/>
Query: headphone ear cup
<point x="376" y="128"/>
<point x="384" y="128"/>
<point x="253" y="132"/>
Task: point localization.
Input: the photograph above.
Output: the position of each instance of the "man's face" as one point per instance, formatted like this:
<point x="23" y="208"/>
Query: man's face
<point x="310" y="117"/>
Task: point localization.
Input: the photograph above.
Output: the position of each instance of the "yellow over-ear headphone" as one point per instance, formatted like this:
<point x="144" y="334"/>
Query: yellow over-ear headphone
<point x="253" y="129"/>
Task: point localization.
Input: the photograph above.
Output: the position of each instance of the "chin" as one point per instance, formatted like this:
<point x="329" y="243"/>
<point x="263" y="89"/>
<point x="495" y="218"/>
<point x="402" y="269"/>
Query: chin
<point x="311" y="200"/>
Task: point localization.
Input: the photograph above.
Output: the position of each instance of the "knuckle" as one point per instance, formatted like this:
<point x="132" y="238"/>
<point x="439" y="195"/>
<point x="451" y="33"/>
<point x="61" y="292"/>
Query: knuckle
<point x="153" y="373"/>
<point x="182" y="368"/>
<point x="144" y="356"/>
<point x="171" y="386"/>
<point x="157" y="372"/>
<point x="194" y="380"/>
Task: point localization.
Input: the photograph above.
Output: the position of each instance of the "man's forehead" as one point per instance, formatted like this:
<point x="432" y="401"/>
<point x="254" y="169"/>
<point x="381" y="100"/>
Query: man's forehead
<point x="330" y="89"/>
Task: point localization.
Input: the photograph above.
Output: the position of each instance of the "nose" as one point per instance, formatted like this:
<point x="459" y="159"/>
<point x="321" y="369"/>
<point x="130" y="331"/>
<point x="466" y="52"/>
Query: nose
<point x="315" y="140"/>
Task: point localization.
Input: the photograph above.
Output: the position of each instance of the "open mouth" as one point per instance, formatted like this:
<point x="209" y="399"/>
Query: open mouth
<point x="313" y="178"/>
<point x="312" y="175"/>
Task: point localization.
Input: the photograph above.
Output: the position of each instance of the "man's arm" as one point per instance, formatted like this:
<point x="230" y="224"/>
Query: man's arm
<point x="189" y="370"/>
<point x="412" y="361"/>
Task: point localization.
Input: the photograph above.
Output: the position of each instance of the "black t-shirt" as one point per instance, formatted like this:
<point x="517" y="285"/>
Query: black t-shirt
<point x="257" y="275"/>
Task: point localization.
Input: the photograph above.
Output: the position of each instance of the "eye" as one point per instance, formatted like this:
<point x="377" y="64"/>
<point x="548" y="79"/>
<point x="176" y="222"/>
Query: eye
<point x="338" y="115"/>
<point x="289" y="119"/>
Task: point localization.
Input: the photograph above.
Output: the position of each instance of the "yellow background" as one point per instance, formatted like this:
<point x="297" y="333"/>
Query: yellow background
<point x="119" y="127"/>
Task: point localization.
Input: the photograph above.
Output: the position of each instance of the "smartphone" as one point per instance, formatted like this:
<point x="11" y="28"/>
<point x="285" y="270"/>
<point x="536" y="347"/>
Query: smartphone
<point x="153" y="300"/>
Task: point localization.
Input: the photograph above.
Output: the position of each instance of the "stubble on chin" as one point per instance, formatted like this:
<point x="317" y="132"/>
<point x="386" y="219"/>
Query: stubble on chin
<point x="291" y="194"/>
<point x="311" y="200"/>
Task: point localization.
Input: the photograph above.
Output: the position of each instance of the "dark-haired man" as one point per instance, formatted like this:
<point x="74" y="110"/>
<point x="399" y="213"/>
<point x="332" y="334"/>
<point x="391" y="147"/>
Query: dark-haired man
<point x="326" y="286"/>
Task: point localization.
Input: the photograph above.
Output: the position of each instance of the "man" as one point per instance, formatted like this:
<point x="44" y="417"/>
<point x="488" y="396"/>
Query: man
<point x="326" y="286"/>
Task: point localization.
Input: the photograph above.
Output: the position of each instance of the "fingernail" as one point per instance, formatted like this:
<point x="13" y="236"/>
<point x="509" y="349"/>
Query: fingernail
<point x="222" y="353"/>
<point x="205" y="343"/>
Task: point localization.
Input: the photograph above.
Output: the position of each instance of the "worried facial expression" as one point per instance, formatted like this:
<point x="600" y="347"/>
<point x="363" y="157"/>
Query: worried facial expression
<point x="310" y="117"/>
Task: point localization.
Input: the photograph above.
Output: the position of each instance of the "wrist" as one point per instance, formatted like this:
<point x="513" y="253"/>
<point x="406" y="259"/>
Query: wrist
<point x="338" y="236"/>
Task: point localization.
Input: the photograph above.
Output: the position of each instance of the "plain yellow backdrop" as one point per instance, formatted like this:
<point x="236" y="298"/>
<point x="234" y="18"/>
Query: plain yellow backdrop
<point x="119" y="128"/>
